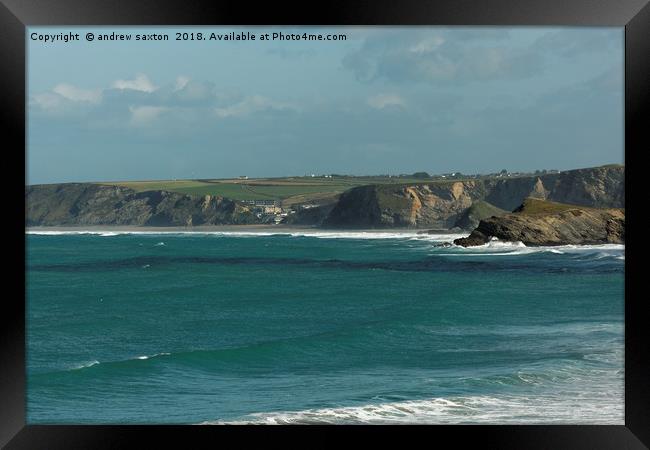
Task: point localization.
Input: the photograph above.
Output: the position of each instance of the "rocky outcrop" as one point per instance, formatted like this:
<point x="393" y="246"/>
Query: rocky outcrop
<point x="538" y="222"/>
<point x="93" y="204"/>
<point x="442" y="204"/>
<point x="479" y="210"/>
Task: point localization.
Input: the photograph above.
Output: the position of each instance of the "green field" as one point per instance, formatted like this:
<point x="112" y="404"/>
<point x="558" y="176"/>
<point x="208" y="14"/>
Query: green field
<point x="287" y="190"/>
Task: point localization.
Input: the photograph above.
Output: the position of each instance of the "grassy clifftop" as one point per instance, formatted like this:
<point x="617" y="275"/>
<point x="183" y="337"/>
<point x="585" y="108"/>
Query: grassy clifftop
<point x="534" y="206"/>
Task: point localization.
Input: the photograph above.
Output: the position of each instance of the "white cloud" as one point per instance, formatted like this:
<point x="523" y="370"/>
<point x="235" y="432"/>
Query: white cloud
<point x="143" y="115"/>
<point x="181" y="82"/>
<point x="188" y="91"/>
<point x="251" y="105"/>
<point x="65" y="99"/>
<point x="139" y="103"/>
<point x="442" y="57"/>
<point x="427" y="45"/>
<point x="48" y="101"/>
<point x="381" y="101"/>
<point x="77" y="94"/>
<point x="140" y="83"/>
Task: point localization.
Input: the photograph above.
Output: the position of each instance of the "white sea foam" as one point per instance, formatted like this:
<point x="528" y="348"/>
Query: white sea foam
<point x="571" y="328"/>
<point x="70" y="232"/>
<point x="85" y="365"/>
<point x="152" y="356"/>
<point x="280" y="232"/>
<point x="503" y="248"/>
<point x="492" y="248"/>
<point x="552" y="409"/>
<point x="379" y="235"/>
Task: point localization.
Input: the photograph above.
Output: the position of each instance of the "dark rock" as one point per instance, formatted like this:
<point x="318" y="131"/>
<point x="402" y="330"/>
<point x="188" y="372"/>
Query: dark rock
<point x="539" y="222"/>
<point x="474" y="239"/>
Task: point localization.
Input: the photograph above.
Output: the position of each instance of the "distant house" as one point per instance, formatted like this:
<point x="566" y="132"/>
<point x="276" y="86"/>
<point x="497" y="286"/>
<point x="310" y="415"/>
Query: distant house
<point x="262" y="203"/>
<point x="243" y="177"/>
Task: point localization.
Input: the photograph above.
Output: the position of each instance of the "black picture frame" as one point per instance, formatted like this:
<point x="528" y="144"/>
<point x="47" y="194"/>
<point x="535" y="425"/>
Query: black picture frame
<point x="634" y="15"/>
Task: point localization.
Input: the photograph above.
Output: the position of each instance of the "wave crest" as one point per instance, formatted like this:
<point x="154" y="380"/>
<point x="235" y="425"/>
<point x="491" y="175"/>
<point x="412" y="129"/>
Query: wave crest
<point x="456" y="410"/>
<point x="404" y="234"/>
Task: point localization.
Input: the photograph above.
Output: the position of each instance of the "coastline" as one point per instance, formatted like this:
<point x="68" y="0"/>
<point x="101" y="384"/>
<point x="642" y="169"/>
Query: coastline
<point x="257" y="228"/>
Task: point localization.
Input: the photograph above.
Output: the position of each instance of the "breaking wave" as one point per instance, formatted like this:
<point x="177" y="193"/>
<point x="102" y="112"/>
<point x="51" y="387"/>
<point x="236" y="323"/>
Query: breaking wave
<point x="316" y="234"/>
<point x="73" y="233"/>
<point x="85" y="365"/>
<point x="556" y="409"/>
<point x="501" y="248"/>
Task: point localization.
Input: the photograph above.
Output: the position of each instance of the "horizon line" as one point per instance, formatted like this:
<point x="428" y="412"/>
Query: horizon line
<point x="314" y="175"/>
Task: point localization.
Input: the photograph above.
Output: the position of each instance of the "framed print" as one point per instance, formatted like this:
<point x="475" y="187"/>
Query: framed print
<point x="354" y="214"/>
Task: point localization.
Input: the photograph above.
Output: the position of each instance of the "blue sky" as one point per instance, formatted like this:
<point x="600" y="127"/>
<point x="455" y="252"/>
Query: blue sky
<point x="386" y="100"/>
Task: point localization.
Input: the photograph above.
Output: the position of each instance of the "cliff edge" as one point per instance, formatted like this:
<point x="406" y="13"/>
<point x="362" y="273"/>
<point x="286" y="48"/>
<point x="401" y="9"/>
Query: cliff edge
<point x="445" y="204"/>
<point x="538" y="222"/>
<point x="94" y="204"/>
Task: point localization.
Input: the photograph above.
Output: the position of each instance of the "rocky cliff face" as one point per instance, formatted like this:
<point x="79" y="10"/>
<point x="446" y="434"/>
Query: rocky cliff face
<point x="473" y="215"/>
<point x="309" y="216"/>
<point x="92" y="204"/>
<point x="439" y="205"/>
<point x="600" y="187"/>
<point x="538" y="222"/>
<point x="424" y="205"/>
<point x="442" y="204"/>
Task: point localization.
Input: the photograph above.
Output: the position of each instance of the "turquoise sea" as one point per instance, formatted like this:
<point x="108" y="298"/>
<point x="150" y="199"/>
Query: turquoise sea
<point x="320" y="327"/>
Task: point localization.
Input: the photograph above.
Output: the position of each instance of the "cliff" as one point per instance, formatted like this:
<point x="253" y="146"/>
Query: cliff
<point x="309" y="216"/>
<point x="433" y="204"/>
<point x="93" y="204"/>
<point x="538" y="222"/>
<point x="479" y="210"/>
<point x="442" y="204"/>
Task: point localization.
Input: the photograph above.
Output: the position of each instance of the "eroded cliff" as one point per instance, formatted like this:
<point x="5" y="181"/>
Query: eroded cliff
<point x="93" y="204"/>
<point x="434" y="204"/>
<point x="442" y="204"/>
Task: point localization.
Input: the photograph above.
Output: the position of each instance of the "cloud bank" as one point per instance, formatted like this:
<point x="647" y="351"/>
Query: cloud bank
<point x="388" y="101"/>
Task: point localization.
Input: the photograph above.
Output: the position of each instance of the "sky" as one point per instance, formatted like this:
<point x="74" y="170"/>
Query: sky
<point x="386" y="100"/>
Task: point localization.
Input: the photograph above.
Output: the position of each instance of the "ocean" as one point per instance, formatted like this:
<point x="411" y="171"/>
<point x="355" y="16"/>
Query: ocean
<point x="320" y="327"/>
